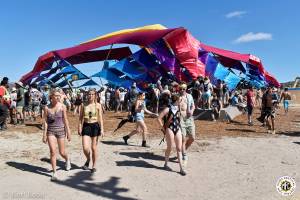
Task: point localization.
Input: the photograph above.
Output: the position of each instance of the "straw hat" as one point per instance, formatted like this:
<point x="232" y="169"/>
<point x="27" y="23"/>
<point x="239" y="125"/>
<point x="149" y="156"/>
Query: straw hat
<point x="13" y="89"/>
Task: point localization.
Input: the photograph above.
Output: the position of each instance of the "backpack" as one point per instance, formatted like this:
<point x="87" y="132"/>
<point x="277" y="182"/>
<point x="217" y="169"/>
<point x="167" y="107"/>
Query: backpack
<point x="35" y="96"/>
<point x="205" y="87"/>
<point x="44" y="99"/>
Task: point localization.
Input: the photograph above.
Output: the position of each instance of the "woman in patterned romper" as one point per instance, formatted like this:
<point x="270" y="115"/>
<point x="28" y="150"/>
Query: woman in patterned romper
<point x="56" y="130"/>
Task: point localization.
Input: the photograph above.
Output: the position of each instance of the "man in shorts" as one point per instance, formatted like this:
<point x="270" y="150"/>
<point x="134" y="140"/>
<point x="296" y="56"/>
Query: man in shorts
<point x="268" y="109"/>
<point x="187" y="107"/>
<point x="286" y="97"/>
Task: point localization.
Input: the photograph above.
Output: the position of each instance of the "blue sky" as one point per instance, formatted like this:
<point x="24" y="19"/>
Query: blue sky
<point x="268" y="29"/>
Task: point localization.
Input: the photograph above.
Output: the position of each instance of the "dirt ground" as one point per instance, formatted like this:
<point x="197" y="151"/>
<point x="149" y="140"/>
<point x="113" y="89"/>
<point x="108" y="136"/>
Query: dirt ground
<point x="227" y="161"/>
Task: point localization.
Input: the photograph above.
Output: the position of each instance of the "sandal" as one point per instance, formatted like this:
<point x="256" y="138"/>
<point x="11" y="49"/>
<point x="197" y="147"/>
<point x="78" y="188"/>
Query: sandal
<point x="182" y="172"/>
<point x="94" y="170"/>
<point x="86" y="165"/>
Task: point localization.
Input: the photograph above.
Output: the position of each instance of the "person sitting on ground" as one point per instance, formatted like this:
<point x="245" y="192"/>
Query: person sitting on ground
<point x="171" y="129"/>
<point x="286" y="97"/>
<point x="216" y="106"/>
<point x="235" y="99"/>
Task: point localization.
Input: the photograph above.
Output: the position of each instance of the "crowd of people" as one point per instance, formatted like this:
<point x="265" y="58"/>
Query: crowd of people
<point x="173" y="105"/>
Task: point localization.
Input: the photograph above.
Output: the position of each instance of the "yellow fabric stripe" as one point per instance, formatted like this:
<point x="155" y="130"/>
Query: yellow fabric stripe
<point x="127" y="31"/>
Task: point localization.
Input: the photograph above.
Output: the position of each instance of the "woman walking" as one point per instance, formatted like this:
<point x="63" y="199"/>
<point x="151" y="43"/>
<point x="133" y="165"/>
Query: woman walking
<point x="172" y="131"/>
<point x="139" y="110"/>
<point x="90" y="128"/>
<point x="56" y="129"/>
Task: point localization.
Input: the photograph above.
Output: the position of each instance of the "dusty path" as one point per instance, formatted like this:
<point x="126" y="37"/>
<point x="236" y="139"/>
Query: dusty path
<point x="219" y="167"/>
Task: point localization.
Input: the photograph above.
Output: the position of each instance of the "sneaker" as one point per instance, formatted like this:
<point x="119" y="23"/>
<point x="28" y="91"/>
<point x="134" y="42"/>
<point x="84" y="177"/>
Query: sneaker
<point x="94" y="170"/>
<point x="86" y="165"/>
<point x="250" y="123"/>
<point x="182" y="172"/>
<point x="54" y="177"/>
<point x="167" y="168"/>
<point x="273" y="132"/>
<point x="269" y="131"/>
<point x="68" y="164"/>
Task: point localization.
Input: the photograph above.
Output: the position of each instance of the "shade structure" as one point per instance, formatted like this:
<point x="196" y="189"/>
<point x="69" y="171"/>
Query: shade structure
<point x="172" y="51"/>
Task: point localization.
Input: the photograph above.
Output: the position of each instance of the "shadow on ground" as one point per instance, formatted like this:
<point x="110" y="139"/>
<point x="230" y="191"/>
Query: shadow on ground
<point x="240" y="130"/>
<point x="118" y="143"/>
<point x="292" y="133"/>
<point x="39" y="126"/>
<point x="82" y="181"/>
<point x="146" y="155"/>
<point x="61" y="164"/>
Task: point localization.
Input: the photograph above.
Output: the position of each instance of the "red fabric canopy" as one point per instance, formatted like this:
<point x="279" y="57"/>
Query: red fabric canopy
<point x="246" y="58"/>
<point x="186" y="49"/>
<point x="141" y="38"/>
<point x="99" y="55"/>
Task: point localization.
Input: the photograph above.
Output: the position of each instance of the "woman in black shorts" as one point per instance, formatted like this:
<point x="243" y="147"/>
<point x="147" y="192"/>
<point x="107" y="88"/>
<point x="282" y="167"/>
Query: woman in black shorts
<point x="90" y="128"/>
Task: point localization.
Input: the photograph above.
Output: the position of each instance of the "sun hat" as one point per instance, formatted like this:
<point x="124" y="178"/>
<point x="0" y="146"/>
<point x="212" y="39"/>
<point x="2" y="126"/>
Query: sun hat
<point x="19" y="83"/>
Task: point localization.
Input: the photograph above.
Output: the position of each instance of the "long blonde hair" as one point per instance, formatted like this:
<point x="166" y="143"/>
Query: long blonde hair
<point x="95" y="95"/>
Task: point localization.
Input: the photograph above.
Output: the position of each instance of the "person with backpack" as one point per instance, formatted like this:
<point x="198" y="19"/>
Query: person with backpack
<point x="36" y="97"/>
<point x="20" y="102"/>
<point x="207" y="90"/>
<point x="139" y="110"/>
<point x="172" y="131"/>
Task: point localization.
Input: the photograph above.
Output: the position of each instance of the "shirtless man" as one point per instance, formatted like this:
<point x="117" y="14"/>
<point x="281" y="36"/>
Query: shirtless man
<point x="286" y="96"/>
<point x="187" y="107"/>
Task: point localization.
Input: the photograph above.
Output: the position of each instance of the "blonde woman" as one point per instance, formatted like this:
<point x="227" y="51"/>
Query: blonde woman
<point x="140" y="108"/>
<point x="90" y="128"/>
<point x="56" y="129"/>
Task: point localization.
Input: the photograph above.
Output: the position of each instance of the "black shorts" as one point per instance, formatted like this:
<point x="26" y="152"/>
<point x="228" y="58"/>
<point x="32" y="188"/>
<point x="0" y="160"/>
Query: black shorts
<point x="91" y="129"/>
<point x="269" y="112"/>
<point x="250" y="109"/>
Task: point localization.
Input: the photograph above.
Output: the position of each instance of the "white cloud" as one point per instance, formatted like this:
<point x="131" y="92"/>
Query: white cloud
<point x="250" y="37"/>
<point x="235" y="14"/>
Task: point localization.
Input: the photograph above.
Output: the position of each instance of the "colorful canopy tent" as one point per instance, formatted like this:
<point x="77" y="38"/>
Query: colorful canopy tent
<point x="170" y="51"/>
<point x="89" y="83"/>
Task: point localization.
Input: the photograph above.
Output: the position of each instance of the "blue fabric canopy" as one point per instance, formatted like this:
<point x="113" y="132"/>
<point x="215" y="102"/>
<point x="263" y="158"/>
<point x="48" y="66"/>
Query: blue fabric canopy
<point x="68" y="70"/>
<point x="232" y="81"/>
<point x="89" y="83"/>
<point x="221" y="72"/>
